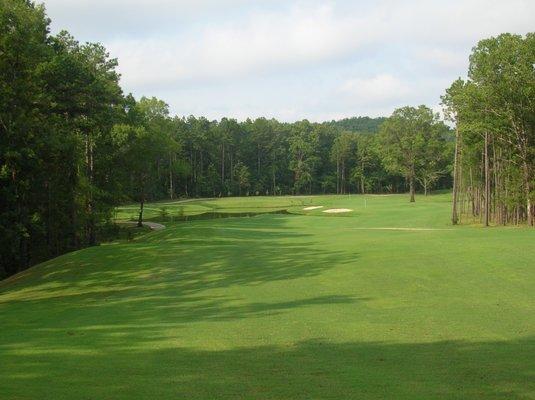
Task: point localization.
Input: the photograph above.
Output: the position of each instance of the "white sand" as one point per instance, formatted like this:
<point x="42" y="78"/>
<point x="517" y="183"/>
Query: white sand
<point x="337" y="210"/>
<point x="312" y="208"/>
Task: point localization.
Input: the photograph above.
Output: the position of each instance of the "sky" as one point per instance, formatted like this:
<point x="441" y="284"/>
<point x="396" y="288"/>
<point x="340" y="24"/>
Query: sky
<point x="290" y="60"/>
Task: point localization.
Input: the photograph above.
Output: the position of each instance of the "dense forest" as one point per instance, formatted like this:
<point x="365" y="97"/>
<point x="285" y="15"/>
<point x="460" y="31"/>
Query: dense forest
<point x="494" y="114"/>
<point x="359" y="124"/>
<point x="73" y="146"/>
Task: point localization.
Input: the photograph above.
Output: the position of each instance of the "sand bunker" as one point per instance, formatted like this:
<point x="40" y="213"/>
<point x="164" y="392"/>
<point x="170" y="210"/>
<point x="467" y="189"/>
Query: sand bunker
<point x="312" y="208"/>
<point x="337" y="210"/>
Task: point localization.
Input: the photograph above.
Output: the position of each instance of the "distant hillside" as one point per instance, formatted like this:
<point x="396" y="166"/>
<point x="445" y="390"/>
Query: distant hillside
<point x="360" y="124"/>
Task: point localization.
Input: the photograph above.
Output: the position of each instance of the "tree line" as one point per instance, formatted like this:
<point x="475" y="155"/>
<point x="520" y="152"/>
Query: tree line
<point x="494" y="114"/>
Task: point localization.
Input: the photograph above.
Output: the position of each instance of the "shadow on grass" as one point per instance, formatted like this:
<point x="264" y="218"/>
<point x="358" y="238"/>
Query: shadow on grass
<point x="306" y="370"/>
<point x="173" y="277"/>
<point x="106" y="323"/>
<point x="178" y="262"/>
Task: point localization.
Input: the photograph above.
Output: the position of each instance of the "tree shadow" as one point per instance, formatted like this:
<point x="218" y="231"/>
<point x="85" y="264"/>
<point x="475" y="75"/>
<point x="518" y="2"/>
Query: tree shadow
<point x="187" y="257"/>
<point x="175" y="277"/>
<point x="306" y="370"/>
<point x="107" y="323"/>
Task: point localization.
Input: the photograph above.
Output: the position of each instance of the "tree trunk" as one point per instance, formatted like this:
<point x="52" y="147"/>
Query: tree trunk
<point x="171" y="189"/>
<point x="487" y="180"/>
<point x="527" y="189"/>
<point x="258" y="160"/>
<point x="73" y="220"/>
<point x="223" y="166"/>
<point x="454" y="215"/>
<point x="48" y="224"/>
<point x="273" y="178"/>
<point x="472" y="193"/>
<point x="337" y="176"/>
<point x="141" y="204"/>
<point x="343" y="178"/>
<point x="91" y="234"/>
<point x="411" y="188"/>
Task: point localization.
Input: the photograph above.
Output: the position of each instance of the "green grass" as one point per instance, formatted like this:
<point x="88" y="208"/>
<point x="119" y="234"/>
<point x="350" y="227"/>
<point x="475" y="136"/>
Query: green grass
<point x="226" y="205"/>
<point x="304" y="306"/>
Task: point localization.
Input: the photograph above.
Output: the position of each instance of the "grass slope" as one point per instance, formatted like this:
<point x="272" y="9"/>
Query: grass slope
<point x="309" y="306"/>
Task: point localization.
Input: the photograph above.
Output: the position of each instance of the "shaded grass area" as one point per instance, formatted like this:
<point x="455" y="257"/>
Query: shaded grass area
<point x="180" y="208"/>
<point x="114" y="232"/>
<point x="312" y="369"/>
<point x="280" y="307"/>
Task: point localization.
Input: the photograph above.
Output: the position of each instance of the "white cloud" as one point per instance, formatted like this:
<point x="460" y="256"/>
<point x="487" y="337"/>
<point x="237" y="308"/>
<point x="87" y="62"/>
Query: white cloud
<point x="444" y="58"/>
<point x="290" y="59"/>
<point x="104" y="19"/>
<point x="377" y="89"/>
<point x="305" y="34"/>
<point x="264" y="42"/>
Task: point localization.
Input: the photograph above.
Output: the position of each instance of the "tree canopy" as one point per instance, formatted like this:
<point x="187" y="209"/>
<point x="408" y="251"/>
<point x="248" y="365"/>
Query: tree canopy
<point x="494" y="115"/>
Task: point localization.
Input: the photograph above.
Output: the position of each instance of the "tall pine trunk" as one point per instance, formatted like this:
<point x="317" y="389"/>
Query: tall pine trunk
<point x="527" y="189"/>
<point x="141" y="204"/>
<point x="411" y="185"/>
<point x="91" y="234"/>
<point x="171" y="189"/>
<point x="487" y="180"/>
<point x="222" y="166"/>
<point x="454" y="214"/>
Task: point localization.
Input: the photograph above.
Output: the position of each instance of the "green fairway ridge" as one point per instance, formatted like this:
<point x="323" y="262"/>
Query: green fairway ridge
<point x="387" y="301"/>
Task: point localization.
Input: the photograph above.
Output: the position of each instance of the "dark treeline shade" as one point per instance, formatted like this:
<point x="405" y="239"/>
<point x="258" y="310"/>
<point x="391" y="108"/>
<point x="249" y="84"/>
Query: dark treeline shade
<point x="494" y="114"/>
<point x="58" y="102"/>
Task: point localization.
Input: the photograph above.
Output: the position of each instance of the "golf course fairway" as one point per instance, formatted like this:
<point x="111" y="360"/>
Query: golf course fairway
<point x="385" y="301"/>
